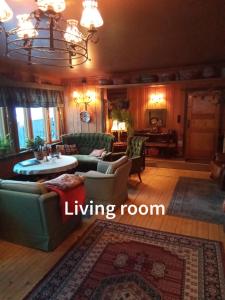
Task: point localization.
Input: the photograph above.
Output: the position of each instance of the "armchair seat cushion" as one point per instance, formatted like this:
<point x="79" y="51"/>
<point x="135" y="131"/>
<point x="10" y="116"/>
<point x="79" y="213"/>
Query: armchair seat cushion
<point x="86" y="162"/>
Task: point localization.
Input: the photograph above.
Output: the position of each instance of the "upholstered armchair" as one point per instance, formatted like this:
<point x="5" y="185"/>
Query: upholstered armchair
<point x="136" y="152"/>
<point x="108" y="185"/>
<point x="217" y="167"/>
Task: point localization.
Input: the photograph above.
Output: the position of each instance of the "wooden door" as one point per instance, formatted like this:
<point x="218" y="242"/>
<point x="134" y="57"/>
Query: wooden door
<point x="202" y="126"/>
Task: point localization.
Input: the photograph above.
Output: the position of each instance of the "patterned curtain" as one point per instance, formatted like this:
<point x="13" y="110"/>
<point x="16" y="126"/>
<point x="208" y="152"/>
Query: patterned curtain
<point x="30" y="97"/>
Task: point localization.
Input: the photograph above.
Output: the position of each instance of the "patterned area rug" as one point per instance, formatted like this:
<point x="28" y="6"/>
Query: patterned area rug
<point x="121" y="262"/>
<point x="199" y="199"/>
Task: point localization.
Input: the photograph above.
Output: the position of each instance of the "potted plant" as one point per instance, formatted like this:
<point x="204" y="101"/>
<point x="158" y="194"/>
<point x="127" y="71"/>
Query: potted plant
<point x="5" y="145"/>
<point x="37" y="146"/>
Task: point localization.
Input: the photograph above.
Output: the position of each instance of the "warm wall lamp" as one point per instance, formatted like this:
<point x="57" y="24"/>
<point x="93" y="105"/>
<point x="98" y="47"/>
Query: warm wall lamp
<point x="157" y="100"/>
<point x="84" y="97"/>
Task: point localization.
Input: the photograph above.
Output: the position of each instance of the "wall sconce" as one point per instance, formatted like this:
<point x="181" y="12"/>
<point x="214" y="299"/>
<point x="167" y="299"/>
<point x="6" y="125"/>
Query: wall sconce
<point x="157" y="100"/>
<point x="85" y="97"/>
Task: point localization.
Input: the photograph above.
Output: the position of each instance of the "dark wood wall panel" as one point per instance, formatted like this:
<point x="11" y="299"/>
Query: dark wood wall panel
<point x="174" y="104"/>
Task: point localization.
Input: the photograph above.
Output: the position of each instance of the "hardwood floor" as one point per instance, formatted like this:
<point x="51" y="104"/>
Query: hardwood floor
<point x="21" y="268"/>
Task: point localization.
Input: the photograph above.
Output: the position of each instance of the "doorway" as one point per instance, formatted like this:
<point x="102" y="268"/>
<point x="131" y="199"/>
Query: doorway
<point x="202" y="125"/>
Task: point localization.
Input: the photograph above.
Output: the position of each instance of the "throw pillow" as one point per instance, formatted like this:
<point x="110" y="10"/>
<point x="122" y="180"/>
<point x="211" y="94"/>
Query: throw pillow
<point x="97" y="152"/>
<point x="67" y="149"/>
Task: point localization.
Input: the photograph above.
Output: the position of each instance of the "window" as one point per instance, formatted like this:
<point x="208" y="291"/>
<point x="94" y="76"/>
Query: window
<point x="54" y="124"/>
<point x="2" y="123"/>
<point x="37" y="121"/>
<point x="22" y="126"/>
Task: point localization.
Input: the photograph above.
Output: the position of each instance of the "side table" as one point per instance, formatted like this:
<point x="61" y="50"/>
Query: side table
<point x="119" y="147"/>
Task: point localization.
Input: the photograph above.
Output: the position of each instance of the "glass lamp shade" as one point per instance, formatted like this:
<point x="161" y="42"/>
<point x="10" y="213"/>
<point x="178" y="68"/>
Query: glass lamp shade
<point x="56" y="5"/>
<point x="91" y="16"/>
<point x="25" y="27"/>
<point x="6" y="12"/>
<point x="91" y="96"/>
<point x="115" y="126"/>
<point x="122" y="126"/>
<point x="72" y="35"/>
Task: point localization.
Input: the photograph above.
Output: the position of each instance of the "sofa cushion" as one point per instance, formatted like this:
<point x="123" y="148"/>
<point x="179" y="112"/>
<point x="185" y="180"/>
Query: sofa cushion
<point x="97" y="152"/>
<point x="86" y="142"/>
<point x="67" y="149"/>
<point x="113" y="166"/>
<point x="23" y="186"/>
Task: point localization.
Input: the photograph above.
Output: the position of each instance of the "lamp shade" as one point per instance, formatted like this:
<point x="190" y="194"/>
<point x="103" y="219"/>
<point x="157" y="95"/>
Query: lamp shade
<point x="57" y="5"/>
<point x="6" y="12"/>
<point x="72" y="35"/>
<point x="25" y="27"/>
<point x="84" y="98"/>
<point x="122" y="126"/>
<point x="91" y="16"/>
<point x="115" y="126"/>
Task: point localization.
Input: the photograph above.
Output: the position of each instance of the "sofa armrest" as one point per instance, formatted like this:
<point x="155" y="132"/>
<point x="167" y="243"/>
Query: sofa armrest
<point x="50" y="211"/>
<point x="99" y="187"/>
<point x="117" y="155"/>
<point x="107" y="156"/>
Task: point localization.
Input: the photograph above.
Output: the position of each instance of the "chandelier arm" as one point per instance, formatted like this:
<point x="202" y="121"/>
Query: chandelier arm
<point x="41" y="35"/>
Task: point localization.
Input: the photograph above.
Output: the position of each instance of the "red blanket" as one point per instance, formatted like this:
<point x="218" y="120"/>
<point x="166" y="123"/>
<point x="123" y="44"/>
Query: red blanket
<point x="70" y="196"/>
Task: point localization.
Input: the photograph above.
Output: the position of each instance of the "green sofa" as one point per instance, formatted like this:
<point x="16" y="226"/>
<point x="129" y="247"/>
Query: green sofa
<point x="30" y="216"/>
<point x="86" y="143"/>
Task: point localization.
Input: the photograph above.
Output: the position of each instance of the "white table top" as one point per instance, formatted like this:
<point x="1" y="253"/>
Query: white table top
<point x="56" y="165"/>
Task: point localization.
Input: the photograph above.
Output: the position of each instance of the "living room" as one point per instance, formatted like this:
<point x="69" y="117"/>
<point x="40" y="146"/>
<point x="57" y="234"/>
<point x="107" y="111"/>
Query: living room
<point x="112" y="149"/>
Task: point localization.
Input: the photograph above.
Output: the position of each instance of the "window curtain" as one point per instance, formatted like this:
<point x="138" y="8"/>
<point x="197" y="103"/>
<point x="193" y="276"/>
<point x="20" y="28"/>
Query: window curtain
<point x="30" y="97"/>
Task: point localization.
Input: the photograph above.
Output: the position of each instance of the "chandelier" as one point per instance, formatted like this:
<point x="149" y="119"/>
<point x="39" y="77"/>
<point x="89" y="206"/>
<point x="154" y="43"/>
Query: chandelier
<point x="45" y="37"/>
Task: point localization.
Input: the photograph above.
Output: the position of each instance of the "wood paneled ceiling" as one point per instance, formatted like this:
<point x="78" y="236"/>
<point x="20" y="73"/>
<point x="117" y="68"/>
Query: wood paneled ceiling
<point x="147" y="34"/>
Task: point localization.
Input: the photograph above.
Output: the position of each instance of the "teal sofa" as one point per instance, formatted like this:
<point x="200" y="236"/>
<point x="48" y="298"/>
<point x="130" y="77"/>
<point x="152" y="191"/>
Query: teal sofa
<point x="86" y="143"/>
<point x="30" y="216"/>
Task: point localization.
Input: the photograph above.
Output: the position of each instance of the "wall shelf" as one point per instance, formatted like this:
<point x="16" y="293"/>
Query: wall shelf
<point x="213" y="80"/>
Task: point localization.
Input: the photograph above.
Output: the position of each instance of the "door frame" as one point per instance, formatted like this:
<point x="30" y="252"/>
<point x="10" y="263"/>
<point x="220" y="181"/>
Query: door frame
<point x="187" y="92"/>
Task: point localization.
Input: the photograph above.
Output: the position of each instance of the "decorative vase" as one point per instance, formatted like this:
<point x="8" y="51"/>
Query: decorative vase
<point x="39" y="155"/>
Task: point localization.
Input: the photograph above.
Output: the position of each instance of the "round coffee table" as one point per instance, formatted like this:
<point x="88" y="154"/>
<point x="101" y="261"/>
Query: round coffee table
<point x="55" y="165"/>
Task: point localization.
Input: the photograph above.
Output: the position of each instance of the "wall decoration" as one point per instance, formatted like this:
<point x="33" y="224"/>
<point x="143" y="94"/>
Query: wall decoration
<point x="85" y="116"/>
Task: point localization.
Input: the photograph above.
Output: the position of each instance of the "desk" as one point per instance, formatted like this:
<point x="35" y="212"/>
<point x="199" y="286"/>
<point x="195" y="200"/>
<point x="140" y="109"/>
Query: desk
<point x="56" y="165"/>
<point x="164" y="143"/>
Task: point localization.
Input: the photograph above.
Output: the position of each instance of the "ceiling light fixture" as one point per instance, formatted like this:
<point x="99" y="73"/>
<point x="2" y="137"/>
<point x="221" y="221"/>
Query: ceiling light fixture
<point x="45" y="37"/>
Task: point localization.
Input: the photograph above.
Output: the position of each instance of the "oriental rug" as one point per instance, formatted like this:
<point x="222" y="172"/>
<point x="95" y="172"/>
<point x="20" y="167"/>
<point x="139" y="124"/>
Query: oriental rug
<point x="199" y="199"/>
<point x="115" y="261"/>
